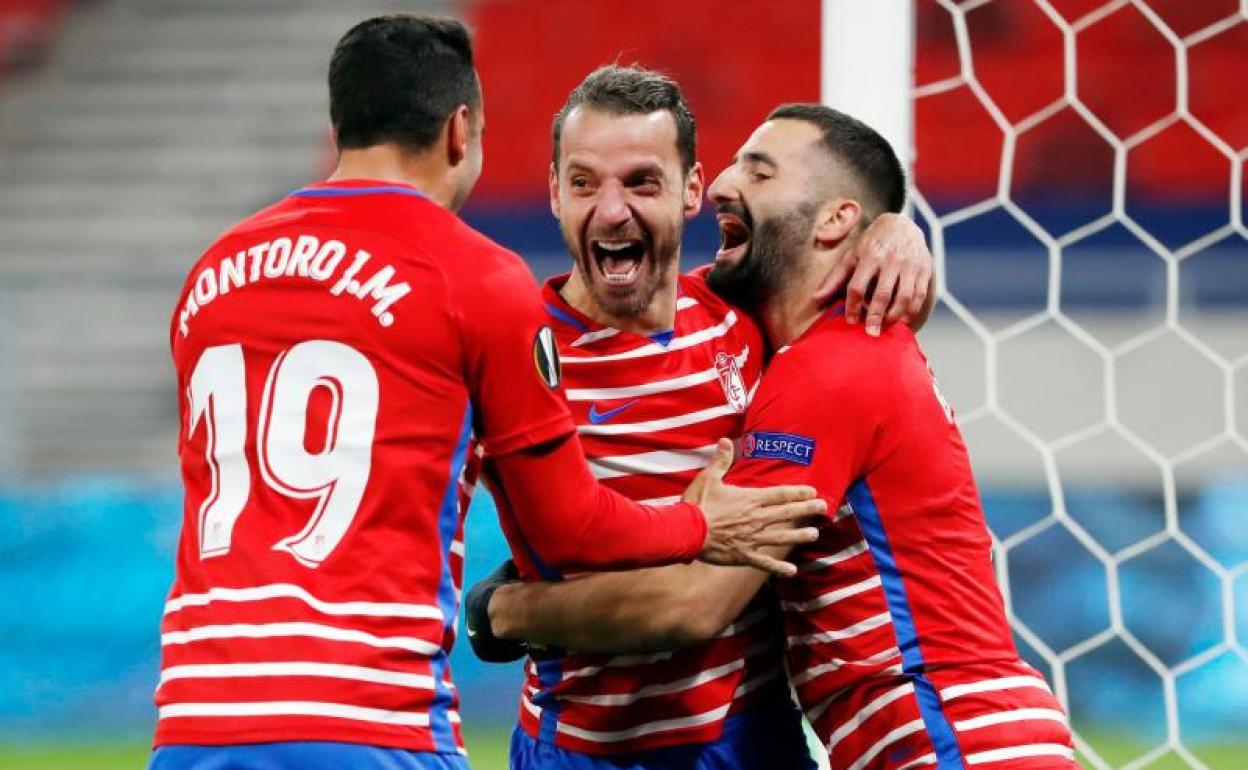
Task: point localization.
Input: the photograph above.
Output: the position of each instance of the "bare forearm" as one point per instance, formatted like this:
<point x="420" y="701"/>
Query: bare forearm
<point x="632" y="612"/>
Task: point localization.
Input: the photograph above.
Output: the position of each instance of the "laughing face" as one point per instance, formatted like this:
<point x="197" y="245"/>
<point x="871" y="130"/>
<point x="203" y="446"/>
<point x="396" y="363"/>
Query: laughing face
<point x="766" y="204"/>
<point x="622" y="198"/>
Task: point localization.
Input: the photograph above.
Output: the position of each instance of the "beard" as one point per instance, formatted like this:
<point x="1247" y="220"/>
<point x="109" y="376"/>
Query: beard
<point x="760" y="274"/>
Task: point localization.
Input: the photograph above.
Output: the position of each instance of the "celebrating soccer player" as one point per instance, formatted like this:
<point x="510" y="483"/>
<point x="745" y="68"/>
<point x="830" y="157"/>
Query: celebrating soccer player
<point x="897" y="641"/>
<point x="338" y="356"/>
<point x="657" y="367"/>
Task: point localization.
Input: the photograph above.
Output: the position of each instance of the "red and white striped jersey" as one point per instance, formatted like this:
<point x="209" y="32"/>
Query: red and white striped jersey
<point x="898" y="644"/>
<point x="649" y="411"/>
<point x="335" y="354"/>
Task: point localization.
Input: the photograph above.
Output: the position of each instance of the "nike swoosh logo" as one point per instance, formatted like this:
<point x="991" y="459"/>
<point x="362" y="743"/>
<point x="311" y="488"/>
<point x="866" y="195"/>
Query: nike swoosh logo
<point x="598" y="418"/>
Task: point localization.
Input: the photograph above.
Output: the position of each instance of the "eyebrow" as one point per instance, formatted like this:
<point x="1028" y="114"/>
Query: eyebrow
<point x="755" y="156"/>
<point x="639" y="173"/>
<point x="633" y="175"/>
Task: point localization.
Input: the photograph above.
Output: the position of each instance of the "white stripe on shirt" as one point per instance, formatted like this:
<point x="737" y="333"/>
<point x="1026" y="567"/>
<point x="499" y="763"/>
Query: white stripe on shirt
<point x="1019" y="752"/>
<point x="314" y="630"/>
<point x="295" y="708"/>
<point x="648" y="728"/>
<point x="297" y="668"/>
<point x="654" y="349"/>
<point x="597" y="334"/>
<point x="836" y="664"/>
<point x="615" y="466"/>
<point x="991" y="685"/>
<point x="861" y="627"/>
<point x="650" y="388"/>
<point x="832" y="597"/>
<point x="836" y="558"/>
<point x="1016" y="715"/>
<point x="883" y="743"/>
<point x="666" y="688"/>
<point x="289" y="591"/>
<point x="867" y="711"/>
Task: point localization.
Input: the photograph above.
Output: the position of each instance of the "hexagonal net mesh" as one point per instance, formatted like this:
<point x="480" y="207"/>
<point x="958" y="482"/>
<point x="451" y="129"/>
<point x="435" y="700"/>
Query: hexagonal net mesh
<point x="1080" y="170"/>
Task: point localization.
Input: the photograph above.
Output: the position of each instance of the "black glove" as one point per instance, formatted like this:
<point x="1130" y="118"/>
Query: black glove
<point x="488" y="647"/>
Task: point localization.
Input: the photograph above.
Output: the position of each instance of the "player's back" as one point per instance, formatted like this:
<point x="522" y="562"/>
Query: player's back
<point x="326" y="426"/>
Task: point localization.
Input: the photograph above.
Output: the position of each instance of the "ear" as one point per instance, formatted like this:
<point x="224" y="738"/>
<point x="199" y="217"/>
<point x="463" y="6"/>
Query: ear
<point x="837" y="220"/>
<point x="695" y="188"/>
<point x="457" y="135"/>
<point x="555" y="207"/>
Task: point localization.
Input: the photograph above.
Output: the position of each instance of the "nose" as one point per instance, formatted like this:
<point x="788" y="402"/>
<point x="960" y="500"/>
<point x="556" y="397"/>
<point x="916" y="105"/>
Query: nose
<point x="722" y="190"/>
<point x="613" y="208"/>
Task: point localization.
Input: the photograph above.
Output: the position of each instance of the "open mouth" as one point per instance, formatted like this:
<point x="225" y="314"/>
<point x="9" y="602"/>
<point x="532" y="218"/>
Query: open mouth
<point x="734" y="238"/>
<point x="619" y="260"/>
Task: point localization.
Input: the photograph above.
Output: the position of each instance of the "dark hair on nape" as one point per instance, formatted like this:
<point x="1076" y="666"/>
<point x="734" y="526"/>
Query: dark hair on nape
<point x="633" y="90"/>
<point x="396" y="79"/>
<point x="859" y="147"/>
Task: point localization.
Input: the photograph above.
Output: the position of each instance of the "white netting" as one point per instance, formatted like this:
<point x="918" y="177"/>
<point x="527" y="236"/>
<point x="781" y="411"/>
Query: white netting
<point x="1131" y="413"/>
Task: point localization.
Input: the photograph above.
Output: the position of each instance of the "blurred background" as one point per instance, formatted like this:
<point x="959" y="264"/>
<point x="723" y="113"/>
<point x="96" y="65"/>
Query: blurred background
<point x="1079" y="169"/>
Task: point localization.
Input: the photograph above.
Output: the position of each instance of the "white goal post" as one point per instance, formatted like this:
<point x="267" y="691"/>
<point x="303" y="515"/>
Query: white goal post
<point x="1155" y="407"/>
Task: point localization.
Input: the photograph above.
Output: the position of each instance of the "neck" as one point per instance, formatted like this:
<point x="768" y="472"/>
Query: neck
<point x="658" y="316"/>
<point x="792" y="310"/>
<point x="389" y="163"/>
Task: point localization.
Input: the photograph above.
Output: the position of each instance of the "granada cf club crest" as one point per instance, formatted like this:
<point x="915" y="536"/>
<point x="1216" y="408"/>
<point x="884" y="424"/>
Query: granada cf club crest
<point x="731" y="380"/>
<point x="749" y="445"/>
<point x="546" y="357"/>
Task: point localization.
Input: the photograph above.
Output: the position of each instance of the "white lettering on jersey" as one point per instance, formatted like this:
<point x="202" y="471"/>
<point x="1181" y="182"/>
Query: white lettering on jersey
<point x="305" y="257"/>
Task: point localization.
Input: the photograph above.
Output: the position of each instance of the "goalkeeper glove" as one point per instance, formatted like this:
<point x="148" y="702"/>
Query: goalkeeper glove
<point x="488" y="647"/>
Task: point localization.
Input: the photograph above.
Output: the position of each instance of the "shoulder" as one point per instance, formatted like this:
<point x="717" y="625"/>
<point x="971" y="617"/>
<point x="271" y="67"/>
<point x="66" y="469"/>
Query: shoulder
<point x="693" y="284"/>
<point x="694" y="289"/>
<point x="470" y="262"/>
<point x="836" y="361"/>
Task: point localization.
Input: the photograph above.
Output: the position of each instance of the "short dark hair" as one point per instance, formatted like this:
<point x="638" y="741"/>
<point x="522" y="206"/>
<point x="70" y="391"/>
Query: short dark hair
<point x="632" y="90"/>
<point x="398" y="78"/>
<point x="859" y="147"/>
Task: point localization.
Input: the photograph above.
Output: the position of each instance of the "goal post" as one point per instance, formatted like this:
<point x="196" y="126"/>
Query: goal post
<point x="1094" y="348"/>
<point x="867" y="66"/>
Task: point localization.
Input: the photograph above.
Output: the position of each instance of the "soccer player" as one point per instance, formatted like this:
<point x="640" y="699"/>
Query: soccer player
<point x="337" y="355"/>
<point x="897" y="641"/>
<point x="657" y="367"/>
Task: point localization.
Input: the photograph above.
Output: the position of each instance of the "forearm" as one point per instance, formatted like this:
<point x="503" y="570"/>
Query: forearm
<point x="572" y="523"/>
<point x="635" y="612"/>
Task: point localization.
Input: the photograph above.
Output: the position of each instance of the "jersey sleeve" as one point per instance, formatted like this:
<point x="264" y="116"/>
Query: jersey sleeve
<point x="813" y="421"/>
<point x="510" y="359"/>
<point x="557" y="517"/>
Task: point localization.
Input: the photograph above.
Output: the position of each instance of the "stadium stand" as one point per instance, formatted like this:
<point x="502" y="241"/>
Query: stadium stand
<point x="152" y="127"/>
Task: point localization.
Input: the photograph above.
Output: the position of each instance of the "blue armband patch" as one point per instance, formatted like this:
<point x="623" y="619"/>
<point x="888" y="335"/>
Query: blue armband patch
<point x="789" y="447"/>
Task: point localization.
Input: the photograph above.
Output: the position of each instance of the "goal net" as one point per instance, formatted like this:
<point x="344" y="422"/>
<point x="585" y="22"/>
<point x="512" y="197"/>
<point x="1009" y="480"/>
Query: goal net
<point x="1079" y="168"/>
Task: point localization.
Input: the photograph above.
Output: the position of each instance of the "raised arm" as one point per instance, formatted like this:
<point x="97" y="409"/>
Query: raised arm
<point x="889" y="273"/>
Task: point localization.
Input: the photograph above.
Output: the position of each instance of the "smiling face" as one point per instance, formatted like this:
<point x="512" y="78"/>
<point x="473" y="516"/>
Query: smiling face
<point x="766" y="204"/>
<point x="622" y="197"/>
